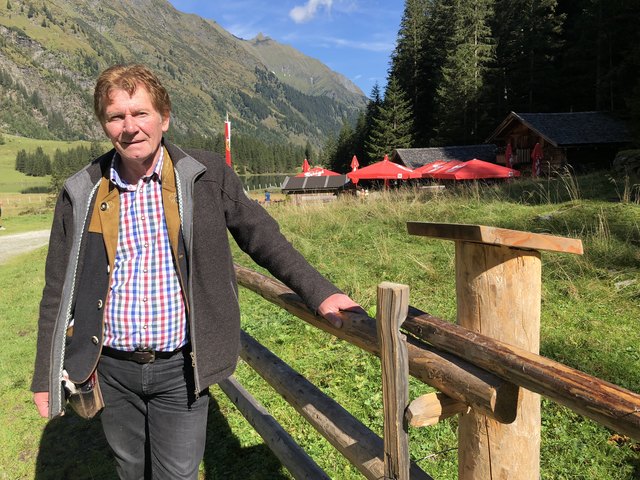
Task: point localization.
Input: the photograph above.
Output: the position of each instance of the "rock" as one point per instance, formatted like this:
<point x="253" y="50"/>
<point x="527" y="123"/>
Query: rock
<point x="624" y="283"/>
<point x="627" y="162"/>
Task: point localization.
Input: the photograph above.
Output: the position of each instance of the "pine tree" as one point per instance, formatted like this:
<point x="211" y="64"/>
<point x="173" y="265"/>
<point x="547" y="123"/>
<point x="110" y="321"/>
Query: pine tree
<point x="21" y="161"/>
<point x="371" y="112"/>
<point x="393" y="125"/>
<point x="409" y="65"/>
<point x="459" y="93"/>
<point x="345" y="148"/>
<point x="528" y="39"/>
<point x="600" y="59"/>
<point x="308" y="152"/>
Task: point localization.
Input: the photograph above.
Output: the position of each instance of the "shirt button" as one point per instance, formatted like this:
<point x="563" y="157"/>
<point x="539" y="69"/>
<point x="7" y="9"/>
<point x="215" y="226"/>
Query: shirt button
<point x="143" y="217"/>
<point x="144" y="270"/>
<point x="144" y="327"/>
<point x="144" y="299"/>
<point x="103" y="206"/>
<point x="94" y="340"/>
<point x="146" y="244"/>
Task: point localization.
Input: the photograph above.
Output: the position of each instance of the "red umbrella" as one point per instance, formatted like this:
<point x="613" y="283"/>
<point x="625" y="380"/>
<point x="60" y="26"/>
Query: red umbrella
<point x="354" y="164"/>
<point x="536" y="160"/>
<point x="477" y="169"/>
<point x="427" y="168"/>
<point x="305" y="166"/>
<point x="317" y="172"/>
<point x="437" y="170"/>
<point x="508" y="156"/>
<point x="384" y="170"/>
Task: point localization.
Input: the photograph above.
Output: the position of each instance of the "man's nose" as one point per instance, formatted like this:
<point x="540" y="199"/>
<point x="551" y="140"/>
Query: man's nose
<point x="130" y="125"/>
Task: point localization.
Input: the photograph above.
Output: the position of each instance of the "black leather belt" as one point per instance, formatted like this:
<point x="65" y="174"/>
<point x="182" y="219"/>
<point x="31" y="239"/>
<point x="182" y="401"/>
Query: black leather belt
<point x="139" y="355"/>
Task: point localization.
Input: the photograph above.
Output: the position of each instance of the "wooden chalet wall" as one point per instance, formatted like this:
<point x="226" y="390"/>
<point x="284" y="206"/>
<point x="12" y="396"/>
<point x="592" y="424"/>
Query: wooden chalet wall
<point x="522" y="141"/>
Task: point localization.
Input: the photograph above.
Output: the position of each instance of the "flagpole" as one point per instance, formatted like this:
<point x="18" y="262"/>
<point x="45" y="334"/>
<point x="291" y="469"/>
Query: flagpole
<point x="227" y="140"/>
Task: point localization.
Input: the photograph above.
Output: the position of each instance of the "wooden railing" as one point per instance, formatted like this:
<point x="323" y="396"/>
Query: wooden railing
<point x="486" y="368"/>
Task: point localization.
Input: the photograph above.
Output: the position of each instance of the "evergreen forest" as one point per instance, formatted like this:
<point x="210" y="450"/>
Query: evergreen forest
<point x="460" y="66"/>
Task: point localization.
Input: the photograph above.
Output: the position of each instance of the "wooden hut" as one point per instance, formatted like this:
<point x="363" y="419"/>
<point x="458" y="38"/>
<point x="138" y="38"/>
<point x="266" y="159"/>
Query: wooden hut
<point x="318" y="189"/>
<point x="583" y="140"/>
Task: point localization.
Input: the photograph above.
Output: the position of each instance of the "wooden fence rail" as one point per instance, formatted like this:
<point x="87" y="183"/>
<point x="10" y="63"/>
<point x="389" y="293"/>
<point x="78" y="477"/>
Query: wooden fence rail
<point x="487" y="367"/>
<point x="459" y="379"/>
<point x="604" y="402"/>
<point x="500" y="366"/>
<point x="356" y="442"/>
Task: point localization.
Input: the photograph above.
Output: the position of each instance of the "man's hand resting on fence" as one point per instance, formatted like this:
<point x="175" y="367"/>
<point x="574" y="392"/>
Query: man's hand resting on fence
<point x="41" y="399"/>
<point x="338" y="302"/>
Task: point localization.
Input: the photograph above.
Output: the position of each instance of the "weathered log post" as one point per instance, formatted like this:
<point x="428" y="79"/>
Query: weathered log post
<point x="498" y="289"/>
<point x="393" y="304"/>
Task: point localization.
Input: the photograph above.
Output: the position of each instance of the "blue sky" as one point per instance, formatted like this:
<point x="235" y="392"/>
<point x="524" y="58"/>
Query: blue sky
<point x="352" y="37"/>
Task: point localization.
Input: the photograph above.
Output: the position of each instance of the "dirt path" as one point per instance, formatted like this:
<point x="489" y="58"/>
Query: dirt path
<point x="12" y="245"/>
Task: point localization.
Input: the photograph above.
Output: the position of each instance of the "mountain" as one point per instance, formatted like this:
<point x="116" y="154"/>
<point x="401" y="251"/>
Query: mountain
<point x="51" y="53"/>
<point x="304" y="73"/>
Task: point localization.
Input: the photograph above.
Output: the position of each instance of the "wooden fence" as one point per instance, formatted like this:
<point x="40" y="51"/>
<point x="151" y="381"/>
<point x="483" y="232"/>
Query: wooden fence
<point x="486" y="367"/>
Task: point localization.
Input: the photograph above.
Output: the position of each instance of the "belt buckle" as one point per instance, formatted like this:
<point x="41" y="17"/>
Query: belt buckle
<point x="144" y="355"/>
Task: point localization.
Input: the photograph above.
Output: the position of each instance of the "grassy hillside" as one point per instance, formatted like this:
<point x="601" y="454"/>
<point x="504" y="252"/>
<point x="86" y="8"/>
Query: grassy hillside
<point x="590" y="314"/>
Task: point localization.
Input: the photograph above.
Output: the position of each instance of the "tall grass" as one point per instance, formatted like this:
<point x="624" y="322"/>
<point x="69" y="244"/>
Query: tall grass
<point x="590" y="311"/>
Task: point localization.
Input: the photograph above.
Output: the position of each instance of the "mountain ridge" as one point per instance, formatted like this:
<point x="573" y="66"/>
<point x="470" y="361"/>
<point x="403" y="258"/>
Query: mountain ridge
<point x="51" y="54"/>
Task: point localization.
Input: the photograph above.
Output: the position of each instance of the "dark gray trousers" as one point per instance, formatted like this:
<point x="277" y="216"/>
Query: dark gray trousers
<point x="152" y="420"/>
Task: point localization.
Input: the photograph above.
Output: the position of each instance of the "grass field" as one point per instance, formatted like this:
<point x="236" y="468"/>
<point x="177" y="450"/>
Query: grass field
<point x="12" y="181"/>
<point x="590" y="312"/>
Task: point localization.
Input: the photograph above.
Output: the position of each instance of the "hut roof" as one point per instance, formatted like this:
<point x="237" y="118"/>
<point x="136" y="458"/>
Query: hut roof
<point x="314" y="184"/>
<point x="567" y="129"/>
<point x="416" y="157"/>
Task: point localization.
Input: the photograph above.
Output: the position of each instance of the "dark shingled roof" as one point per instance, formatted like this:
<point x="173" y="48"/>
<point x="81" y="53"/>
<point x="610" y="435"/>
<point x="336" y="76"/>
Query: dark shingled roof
<point x="416" y="157"/>
<point x="314" y="184"/>
<point x="566" y="129"/>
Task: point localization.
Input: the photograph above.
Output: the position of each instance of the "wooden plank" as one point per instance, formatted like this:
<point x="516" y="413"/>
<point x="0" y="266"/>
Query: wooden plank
<point x="429" y="409"/>
<point x="444" y="371"/>
<point x="393" y="303"/>
<point x="362" y="447"/>
<point x="601" y="401"/>
<point x="496" y="236"/>
<point x="290" y="454"/>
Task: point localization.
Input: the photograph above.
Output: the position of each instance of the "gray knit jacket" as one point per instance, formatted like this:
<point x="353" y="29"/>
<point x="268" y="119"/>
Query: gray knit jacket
<point x="211" y="202"/>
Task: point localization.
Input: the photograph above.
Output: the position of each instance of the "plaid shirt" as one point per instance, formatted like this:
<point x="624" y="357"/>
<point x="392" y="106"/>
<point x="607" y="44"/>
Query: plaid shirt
<point x="145" y="307"/>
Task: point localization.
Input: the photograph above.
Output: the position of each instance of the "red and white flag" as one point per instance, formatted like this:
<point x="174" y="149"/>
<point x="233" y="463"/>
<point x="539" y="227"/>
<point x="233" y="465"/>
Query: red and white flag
<point x="508" y="156"/>
<point x="536" y="160"/>
<point x="227" y="140"/>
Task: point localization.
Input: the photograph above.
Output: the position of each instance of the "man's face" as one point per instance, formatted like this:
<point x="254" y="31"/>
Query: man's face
<point x="134" y="126"/>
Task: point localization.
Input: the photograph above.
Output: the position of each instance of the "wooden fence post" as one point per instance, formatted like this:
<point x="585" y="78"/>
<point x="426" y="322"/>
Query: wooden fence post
<point x="498" y="289"/>
<point x="496" y="285"/>
<point x="393" y="304"/>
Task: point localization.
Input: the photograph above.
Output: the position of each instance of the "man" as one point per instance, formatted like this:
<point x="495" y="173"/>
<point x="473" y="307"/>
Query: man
<point x="140" y="284"/>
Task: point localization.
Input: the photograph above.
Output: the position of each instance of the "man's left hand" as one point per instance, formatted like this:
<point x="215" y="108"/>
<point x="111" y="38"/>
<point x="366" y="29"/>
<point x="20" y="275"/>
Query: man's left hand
<point x="338" y="302"/>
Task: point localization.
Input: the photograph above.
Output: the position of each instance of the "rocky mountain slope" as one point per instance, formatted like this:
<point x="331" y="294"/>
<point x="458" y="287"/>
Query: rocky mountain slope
<point x="51" y="53"/>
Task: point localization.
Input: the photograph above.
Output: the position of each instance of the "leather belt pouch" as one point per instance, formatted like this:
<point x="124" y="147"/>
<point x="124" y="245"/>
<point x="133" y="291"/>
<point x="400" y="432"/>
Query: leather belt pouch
<point x="85" y="398"/>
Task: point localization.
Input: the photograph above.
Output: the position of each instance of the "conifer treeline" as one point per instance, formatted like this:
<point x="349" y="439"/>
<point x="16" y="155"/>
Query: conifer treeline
<point x="460" y="66"/>
<point x="250" y="156"/>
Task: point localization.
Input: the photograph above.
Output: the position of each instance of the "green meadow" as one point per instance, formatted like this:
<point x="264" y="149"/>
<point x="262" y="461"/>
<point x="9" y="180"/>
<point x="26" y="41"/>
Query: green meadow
<point x="590" y="312"/>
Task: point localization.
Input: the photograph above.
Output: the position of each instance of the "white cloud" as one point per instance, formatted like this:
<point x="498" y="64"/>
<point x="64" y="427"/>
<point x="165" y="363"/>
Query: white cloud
<point x="370" y="46"/>
<point x="306" y="12"/>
